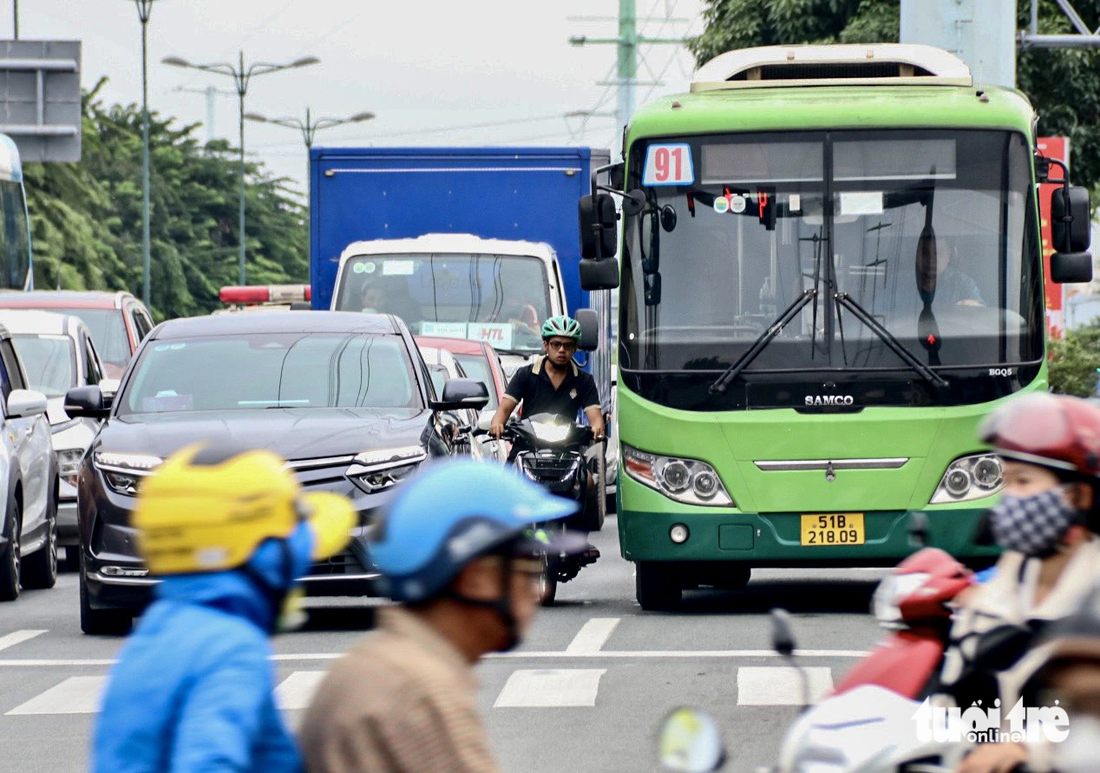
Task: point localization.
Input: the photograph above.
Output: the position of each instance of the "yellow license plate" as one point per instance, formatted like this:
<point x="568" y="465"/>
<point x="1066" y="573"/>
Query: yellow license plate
<point x="832" y="529"/>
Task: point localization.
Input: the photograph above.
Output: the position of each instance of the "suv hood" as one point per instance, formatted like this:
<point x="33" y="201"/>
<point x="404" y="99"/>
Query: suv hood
<point x="293" y="433"/>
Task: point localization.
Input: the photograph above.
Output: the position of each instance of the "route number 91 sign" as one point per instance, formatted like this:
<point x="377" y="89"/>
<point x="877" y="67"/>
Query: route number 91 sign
<point x="668" y="165"/>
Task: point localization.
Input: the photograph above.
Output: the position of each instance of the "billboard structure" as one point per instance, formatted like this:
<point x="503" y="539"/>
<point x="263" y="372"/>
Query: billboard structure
<point x="1056" y="148"/>
<point x="40" y="98"/>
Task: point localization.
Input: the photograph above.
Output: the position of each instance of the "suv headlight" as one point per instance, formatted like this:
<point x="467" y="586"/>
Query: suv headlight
<point x="684" y="480"/>
<point x="123" y="472"/>
<point x="374" y="471"/>
<point x="971" y="477"/>
<point x="68" y="463"/>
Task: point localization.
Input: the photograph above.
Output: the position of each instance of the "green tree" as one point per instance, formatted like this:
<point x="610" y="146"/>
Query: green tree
<point x="1075" y="361"/>
<point x="86" y="217"/>
<point x="1063" y="84"/>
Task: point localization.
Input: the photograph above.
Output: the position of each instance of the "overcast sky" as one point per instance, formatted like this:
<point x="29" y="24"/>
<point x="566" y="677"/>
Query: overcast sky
<point x="419" y="66"/>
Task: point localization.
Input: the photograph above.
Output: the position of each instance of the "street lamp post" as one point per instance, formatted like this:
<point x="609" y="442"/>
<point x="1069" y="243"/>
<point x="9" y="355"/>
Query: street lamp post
<point x="241" y="76"/>
<point x="309" y="129"/>
<point x="143" y="9"/>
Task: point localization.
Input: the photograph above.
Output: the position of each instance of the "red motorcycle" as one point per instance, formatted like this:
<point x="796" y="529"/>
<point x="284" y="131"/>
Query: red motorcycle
<point x="915" y="601"/>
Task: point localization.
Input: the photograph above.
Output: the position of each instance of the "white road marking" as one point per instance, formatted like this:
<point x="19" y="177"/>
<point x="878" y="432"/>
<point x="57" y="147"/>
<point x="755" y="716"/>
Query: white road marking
<point x="296" y="691"/>
<point x="780" y="685"/>
<point x="533" y="655"/>
<point x="76" y="695"/>
<point x="593" y="635"/>
<point x="18" y="637"/>
<point x="553" y="688"/>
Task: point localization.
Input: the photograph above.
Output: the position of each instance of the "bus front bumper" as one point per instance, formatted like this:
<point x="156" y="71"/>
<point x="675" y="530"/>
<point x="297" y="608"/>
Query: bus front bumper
<point x="774" y="539"/>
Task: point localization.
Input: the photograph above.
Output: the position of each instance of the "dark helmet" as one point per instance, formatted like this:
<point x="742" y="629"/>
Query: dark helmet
<point x="1054" y="431"/>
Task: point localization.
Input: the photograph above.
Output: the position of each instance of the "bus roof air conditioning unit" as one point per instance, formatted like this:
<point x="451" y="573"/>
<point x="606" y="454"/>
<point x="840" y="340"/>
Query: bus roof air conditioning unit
<point x="886" y="64"/>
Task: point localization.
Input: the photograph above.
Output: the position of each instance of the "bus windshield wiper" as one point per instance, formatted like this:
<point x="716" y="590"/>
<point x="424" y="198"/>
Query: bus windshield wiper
<point x="734" y="370"/>
<point x="860" y="313"/>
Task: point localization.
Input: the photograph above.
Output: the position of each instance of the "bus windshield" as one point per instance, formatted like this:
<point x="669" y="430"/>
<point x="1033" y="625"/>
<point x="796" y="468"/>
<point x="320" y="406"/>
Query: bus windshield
<point x="929" y="234"/>
<point x="15" y="252"/>
<point x="501" y="299"/>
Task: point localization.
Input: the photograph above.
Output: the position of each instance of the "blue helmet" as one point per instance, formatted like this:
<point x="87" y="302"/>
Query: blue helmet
<point x="450" y="514"/>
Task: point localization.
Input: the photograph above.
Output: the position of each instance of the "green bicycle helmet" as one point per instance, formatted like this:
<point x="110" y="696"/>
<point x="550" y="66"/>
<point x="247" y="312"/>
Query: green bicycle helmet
<point x="563" y="326"/>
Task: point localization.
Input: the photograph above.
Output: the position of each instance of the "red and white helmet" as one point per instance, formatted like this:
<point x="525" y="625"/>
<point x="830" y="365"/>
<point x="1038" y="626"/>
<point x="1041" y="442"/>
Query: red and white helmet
<point x="1054" y="431"/>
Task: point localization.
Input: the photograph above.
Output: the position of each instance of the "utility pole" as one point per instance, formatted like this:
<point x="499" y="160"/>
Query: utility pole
<point x="15" y="16"/>
<point x="211" y="93"/>
<point x="627" y="43"/>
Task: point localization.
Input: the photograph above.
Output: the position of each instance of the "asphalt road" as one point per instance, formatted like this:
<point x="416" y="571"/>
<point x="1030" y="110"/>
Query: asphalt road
<point x="586" y="691"/>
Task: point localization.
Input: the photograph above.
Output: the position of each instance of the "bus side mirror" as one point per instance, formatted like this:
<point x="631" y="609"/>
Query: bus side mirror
<point x="652" y="289"/>
<point x="599" y="274"/>
<point x="598" y="221"/>
<point x="1069" y="219"/>
<point x="1071" y="267"/>
<point x="590" y="329"/>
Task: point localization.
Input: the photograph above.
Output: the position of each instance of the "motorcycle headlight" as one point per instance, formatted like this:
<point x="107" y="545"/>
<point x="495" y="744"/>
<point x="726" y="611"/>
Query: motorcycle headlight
<point x="374" y="471"/>
<point x="885" y="604"/>
<point x="68" y="463"/>
<point x="123" y="472"/>
<point x="971" y="477"/>
<point x="551" y="432"/>
<point x="684" y="480"/>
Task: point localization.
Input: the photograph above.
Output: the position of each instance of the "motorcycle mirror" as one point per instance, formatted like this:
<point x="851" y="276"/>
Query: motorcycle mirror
<point x="918" y="530"/>
<point x="782" y="634"/>
<point x="691" y="742"/>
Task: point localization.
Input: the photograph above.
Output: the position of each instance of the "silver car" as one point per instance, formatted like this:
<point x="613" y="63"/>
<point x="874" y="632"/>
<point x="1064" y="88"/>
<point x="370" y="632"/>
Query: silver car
<point x="58" y="354"/>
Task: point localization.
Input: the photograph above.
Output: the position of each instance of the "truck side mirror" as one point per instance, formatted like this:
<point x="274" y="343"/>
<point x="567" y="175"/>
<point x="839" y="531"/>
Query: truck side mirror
<point x="598" y="221"/>
<point x="599" y="274"/>
<point x="590" y="329"/>
<point x="1069" y="219"/>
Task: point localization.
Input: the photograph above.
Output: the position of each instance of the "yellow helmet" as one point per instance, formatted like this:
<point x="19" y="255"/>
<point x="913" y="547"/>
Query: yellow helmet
<point x="208" y="508"/>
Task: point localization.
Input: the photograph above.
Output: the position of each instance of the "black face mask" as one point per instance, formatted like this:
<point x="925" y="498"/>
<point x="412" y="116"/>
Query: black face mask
<point x="502" y="606"/>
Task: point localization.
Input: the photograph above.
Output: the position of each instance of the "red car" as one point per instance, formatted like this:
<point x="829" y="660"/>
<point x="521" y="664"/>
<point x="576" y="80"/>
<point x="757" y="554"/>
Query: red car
<point x="117" y="321"/>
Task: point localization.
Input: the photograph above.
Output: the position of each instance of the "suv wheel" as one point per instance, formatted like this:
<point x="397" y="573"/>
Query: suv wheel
<point x="40" y="568"/>
<point x="9" y="560"/>
<point x="101" y="622"/>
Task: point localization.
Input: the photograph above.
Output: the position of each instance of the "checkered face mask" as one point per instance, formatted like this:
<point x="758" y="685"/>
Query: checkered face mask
<point x="1032" y="525"/>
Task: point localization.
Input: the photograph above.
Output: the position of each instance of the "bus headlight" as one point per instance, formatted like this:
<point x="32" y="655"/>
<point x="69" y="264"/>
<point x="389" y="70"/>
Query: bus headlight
<point x="971" y="477"/>
<point x="684" y="480"/>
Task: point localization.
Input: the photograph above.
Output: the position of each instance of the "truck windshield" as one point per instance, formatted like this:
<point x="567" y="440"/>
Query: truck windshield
<point x="501" y="299"/>
<point x="932" y="234"/>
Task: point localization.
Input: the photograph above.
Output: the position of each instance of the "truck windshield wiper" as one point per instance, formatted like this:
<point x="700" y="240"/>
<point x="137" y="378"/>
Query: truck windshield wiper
<point x="860" y="313"/>
<point x="734" y="370"/>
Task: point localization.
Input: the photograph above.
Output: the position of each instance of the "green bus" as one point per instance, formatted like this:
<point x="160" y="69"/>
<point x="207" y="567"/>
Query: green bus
<point x="831" y="270"/>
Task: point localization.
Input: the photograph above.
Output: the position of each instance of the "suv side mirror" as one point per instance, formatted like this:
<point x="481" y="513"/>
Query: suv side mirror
<point x="598" y="221"/>
<point x="590" y="330"/>
<point x="25" y="403"/>
<point x="462" y="393"/>
<point x="599" y="274"/>
<point x="86" y="401"/>
<point x="1069" y="219"/>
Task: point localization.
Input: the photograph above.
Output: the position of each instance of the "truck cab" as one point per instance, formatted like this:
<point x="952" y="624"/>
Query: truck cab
<point x="457" y="286"/>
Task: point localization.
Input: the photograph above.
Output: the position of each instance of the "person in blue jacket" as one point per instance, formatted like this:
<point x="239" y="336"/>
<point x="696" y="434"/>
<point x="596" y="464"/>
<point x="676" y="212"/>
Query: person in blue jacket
<point x="228" y="532"/>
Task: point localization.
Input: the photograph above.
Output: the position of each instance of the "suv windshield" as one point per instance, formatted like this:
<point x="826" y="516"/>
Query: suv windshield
<point x="108" y="333"/>
<point x="50" y="362"/>
<point x="500" y="299"/>
<point x="271" y="370"/>
<point x="931" y="233"/>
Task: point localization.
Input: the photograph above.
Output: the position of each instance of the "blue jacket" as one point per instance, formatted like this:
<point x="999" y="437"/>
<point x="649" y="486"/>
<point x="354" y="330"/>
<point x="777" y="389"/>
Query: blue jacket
<point x="192" y="690"/>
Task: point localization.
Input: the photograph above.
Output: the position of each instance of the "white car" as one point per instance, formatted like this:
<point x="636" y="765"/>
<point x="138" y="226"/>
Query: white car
<point x="28" y="482"/>
<point x="442" y="366"/>
<point x="57" y="354"/>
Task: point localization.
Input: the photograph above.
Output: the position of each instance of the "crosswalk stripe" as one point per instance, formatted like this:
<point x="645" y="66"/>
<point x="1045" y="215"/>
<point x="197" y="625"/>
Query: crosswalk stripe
<point x="18" y="637"/>
<point x="550" y="688"/>
<point x="75" y="695"/>
<point x="593" y="635"/>
<point x="296" y="691"/>
<point x="780" y="685"/>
